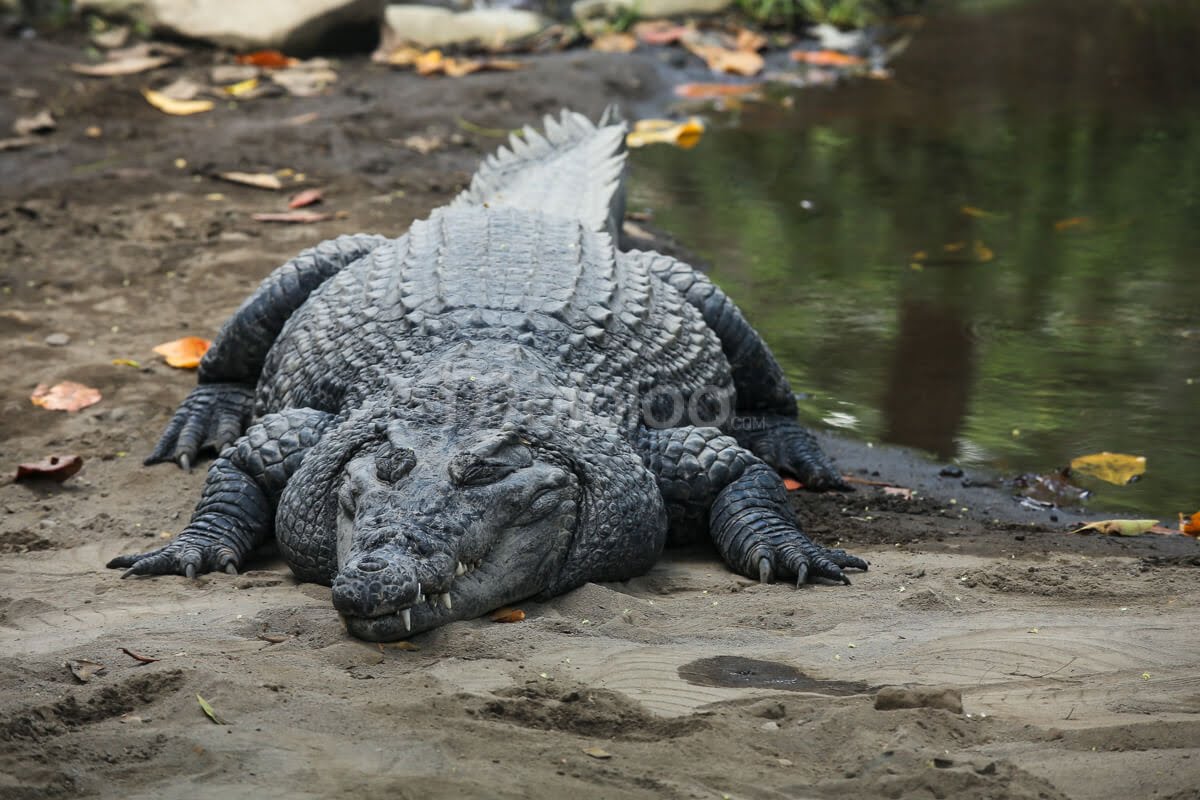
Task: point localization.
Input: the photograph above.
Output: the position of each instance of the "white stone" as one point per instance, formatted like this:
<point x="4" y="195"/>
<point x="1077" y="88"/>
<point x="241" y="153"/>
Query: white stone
<point x="289" y="25"/>
<point x="428" y="26"/>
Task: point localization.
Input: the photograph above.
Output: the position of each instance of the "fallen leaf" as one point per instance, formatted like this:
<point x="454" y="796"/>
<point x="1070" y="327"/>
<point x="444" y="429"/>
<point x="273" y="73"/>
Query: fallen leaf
<point x="208" y="711"/>
<point x="898" y="491"/>
<point x="123" y="66"/>
<point x="268" y="59"/>
<point x="1072" y="222"/>
<point x="300" y="217"/>
<point x="308" y="80"/>
<point x="241" y="87"/>
<point x="422" y="144"/>
<point x="661" y="31"/>
<point x="1117" y="468"/>
<point x="85" y="670"/>
<point x="307" y="197"/>
<point x="403" y="56"/>
<point x="182" y="89"/>
<point x="179" y="108"/>
<point x="685" y="134"/>
<point x="750" y="41"/>
<point x="716" y="91"/>
<point x="983" y="254"/>
<point x="826" y="58"/>
<point x="259" y="180"/>
<point x="1119" y="527"/>
<point x="978" y="213"/>
<point x="722" y="59"/>
<point x="613" y="42"/>
<point x="126" y="362"/>
<point x="1190" y="526"/>
<point x="113" y="37"/>
<point x="54" y="468"/>
<point x="791" y="484"/>
<point x="65" y="396"/>
<point x="184" y="353"/>
<point x="597" y="752"/>
<point x="274" y="638"/>
<point x="508" y="615"/>
<point x="41" y="122"/>
<point x="138" y="656"/>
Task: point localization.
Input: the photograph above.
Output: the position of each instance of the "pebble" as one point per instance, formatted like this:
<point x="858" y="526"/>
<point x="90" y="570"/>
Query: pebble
<point x="58" y="340"/>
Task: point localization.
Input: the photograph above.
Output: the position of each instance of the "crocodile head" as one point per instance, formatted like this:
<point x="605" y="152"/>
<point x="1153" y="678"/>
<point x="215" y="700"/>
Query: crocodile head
<point x="433" y="526"/>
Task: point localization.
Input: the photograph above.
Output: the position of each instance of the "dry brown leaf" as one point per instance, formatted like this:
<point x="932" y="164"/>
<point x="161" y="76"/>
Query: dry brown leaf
<point x="597" y="752"/>
<point x="112" y="38"/>
<point x="275" y="638"/>
<point x="41" y="122"/>
<point x="53" y="468"/>
<point x="85" y="670"/>
<point x="508" y="615"/>
<point x="613" y="42"/>
<point x="124" y="66"/>
<point x="138" y="656"/>
<point x="661" y="31"/>
<point x="1120" y="527"/>
<point x="307" y="197"/>
<point x="184" y="353"/>
<point x="65" y="396"/>
<point x="749" y="40"/>
<point x="307" y="80"/>
<point x="298" y="217"/>
<point x="898" y="491"/>
<point x="422" y="144"/>
<point x="722" y="59"/>
<point x="259" y="180"/>
<point x="179" y="108"/>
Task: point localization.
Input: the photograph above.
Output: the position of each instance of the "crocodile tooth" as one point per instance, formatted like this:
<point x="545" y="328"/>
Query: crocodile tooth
<point x="407" y="615"/>
<point x="460" y="569"/>
<point x="446" y="600"/>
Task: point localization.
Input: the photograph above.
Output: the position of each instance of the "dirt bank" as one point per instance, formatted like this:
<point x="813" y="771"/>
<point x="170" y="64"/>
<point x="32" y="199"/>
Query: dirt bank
<point x="1076" y="656"/>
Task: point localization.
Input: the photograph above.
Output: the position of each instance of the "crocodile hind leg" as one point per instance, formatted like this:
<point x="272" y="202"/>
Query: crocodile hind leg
<point x="706" y="476"/>
<point x="236" y="512"/>
<point x="765" y="420"/>
<point x="218" y="410"/>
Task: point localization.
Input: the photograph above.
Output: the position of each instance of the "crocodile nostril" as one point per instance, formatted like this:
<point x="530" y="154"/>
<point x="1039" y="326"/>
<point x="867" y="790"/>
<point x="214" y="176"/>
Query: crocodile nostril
<point x="371" y="564"/>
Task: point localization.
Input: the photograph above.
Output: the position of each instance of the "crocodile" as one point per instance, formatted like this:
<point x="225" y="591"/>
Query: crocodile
<point x="500" y="404"/>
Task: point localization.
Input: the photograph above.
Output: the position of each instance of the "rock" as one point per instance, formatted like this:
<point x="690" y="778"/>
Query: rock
<point x="428" y="26"/>
<point x="58" y="340"/>
<point x="294" y="26"/>
<point x="891" y="698"/>
<point x="646" y="9"/>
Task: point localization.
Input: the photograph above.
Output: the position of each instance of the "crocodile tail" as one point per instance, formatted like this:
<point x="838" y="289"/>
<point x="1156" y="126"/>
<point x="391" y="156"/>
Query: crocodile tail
<point x="576" y="169"/>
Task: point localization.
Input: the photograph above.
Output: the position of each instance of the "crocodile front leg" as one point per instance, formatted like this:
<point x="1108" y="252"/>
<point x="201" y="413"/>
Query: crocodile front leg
<point x="218" y="410"/>
<point x="236" y="512"/>
<point x="706" y="476"/>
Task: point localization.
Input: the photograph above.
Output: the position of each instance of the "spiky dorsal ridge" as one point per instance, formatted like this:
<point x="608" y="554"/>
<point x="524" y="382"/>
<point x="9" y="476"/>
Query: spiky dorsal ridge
<point x="575" y="170"/>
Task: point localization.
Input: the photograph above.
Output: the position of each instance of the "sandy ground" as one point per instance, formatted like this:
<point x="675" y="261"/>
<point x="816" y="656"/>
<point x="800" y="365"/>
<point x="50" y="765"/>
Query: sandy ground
<point x="1077" y="657"/>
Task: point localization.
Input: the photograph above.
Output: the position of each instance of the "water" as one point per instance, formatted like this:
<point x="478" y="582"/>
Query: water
<point x="994" y="256"/>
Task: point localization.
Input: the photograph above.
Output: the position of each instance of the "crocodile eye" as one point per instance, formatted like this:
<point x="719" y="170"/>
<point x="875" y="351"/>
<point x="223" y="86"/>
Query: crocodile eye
<point x="393" y="465"/>
<point x="476" y="469"/>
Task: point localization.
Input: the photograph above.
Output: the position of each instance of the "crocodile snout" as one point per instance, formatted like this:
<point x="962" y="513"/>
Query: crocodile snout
<point x="372" y="586"/>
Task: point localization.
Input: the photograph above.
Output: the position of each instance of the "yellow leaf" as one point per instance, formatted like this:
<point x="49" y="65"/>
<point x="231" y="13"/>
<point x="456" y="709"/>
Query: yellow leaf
<point x="1115" y="468"/>
<point x="978" y="213"/>
<point x="983" y="253"/>
<point x="242" y="87"/>
<point x="1072" y="222"/>
<point x="259" y="180"/>
<point x="597" y="752"/>
<point x="184" y="353"/>
<point x="65" y="396"/>
<point x="685" y="135"/>
<point x="208" y="711"/>
<point x="1119" y="527"/>
<point x="126" y="362"/>
<point x="179" y="108"/>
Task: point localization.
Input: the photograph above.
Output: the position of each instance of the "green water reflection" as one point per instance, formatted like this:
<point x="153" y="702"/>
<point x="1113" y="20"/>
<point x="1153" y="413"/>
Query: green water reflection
<point x="1075" y="337"/>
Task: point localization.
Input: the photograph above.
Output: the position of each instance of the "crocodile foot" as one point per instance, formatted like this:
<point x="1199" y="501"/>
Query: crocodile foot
<point x="212" y="416"/>
<point x="188" y="555"/>
<point x="792" y="450"/>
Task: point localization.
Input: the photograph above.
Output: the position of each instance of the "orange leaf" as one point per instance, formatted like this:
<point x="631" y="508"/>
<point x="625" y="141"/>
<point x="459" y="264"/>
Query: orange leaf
<point x="306" y="198"/>
<point x="184" y="353"/>
<point x="749" y="40"/>
<point x="791" y="484"/>
<point x="269" y="59"/>
<point x="716" y="91"/>
<point x="55" y="468"/>
<point x="508" y="615"/>
<point x="1190" y="525"/>
<point x="826" y="58"/>
<point x="65" y="396"/>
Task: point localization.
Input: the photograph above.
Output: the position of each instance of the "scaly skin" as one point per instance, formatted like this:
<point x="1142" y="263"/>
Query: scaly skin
<point x="495" y="406"/>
